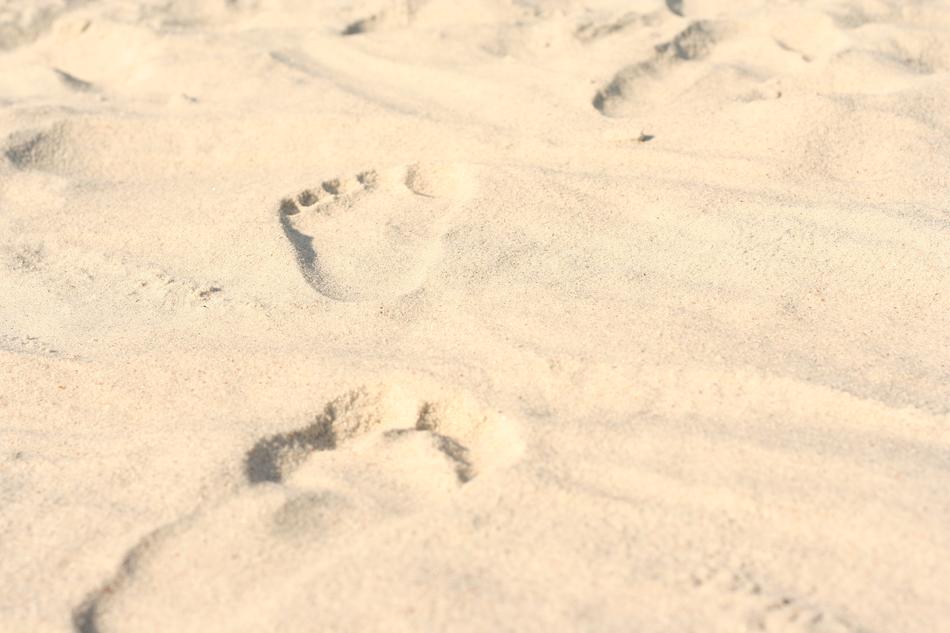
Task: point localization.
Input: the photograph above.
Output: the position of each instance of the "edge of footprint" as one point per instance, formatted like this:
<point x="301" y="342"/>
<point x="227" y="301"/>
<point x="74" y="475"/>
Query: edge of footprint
<point x="469" y="436"/>
<point x="436" y="180"/>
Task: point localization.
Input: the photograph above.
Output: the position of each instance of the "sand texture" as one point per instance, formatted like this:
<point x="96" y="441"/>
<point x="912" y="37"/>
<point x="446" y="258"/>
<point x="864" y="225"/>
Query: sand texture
<point x="474" y="316"/>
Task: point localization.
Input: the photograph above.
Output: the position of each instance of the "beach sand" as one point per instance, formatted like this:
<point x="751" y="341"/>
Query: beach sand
<point x="474" y="316"/>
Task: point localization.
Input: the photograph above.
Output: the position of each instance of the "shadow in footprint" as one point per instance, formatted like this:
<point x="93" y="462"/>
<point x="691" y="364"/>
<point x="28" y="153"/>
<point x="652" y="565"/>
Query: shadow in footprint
<point x="303" y="244"/>
<point x="457" y="453"/>
<point x="272" y="456"/>
<point x="84" y="619"/>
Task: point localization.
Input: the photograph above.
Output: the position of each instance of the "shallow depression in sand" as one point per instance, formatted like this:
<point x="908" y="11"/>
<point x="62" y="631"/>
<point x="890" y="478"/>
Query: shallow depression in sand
<point x="377" y="234"/>
<point x="373" y="455"/>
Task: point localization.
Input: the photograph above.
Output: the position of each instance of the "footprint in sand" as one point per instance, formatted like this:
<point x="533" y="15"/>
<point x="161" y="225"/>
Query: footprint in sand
<point x="375" y="235"/>
<point x="667" y="72"/>
<point x="750" y="605"/>
<point x="397" y="14"/>
<point x="373" y="457"/>
<point x="690" y="70"/>
<point x="44" y="150"/>
<point x="452" y="435"/>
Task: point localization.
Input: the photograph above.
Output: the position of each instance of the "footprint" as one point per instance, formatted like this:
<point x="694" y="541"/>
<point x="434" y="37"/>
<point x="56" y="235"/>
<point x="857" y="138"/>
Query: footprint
<point x="751" y="605"/>
<point x="644" y="83"/>
<point x="591" y="31"/>
<point x="459" y="435"/>
<point x="372" y="457"/>
<point x="398" y="13"/>
<point x="36" y="149"/>
<point x="24" y="24"/>
<point x="376" y="235"/>
<point x="111" y="277"/>
<point x="32" y="345"/>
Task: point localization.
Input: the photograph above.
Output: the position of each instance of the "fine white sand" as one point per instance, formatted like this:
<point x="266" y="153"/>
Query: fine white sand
<point x="482" y="315"/>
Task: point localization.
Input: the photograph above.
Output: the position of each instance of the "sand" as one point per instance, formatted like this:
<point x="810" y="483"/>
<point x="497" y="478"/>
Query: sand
<point x="474" y="316"/>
